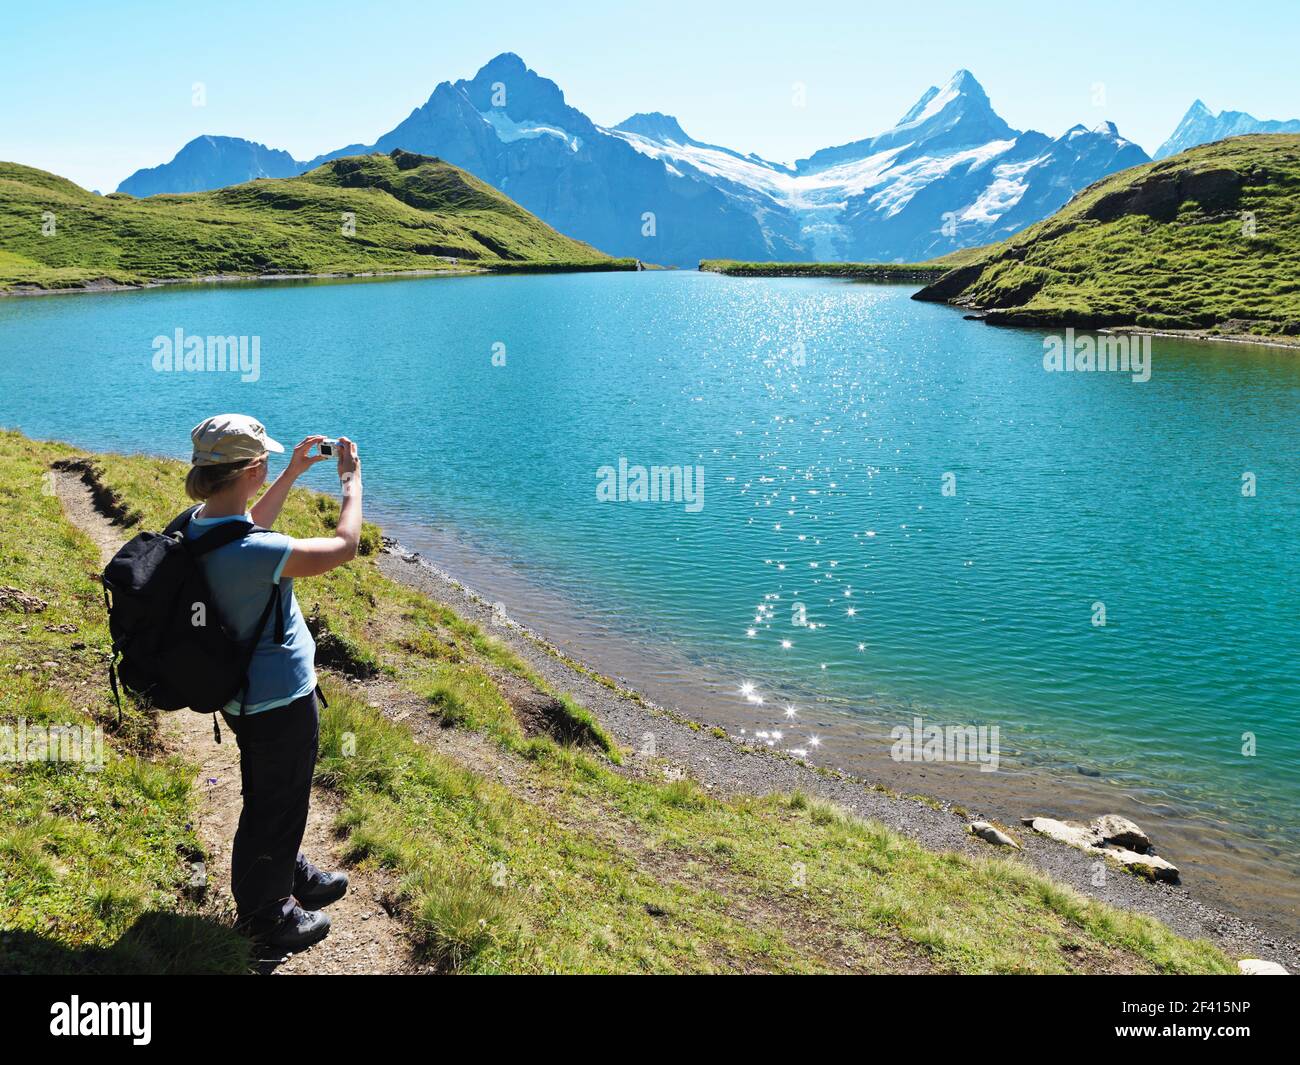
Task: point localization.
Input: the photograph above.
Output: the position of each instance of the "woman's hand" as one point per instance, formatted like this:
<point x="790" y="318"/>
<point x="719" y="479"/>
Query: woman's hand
<point x="349" y="462"/>
<point x="268" y="508"/>
<point x="302" y="459"/>
<point x="322" y="553"/>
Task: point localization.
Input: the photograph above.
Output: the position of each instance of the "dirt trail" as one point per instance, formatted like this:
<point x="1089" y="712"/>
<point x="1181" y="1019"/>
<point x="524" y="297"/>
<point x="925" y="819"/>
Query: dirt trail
<point x="365" y="938"/>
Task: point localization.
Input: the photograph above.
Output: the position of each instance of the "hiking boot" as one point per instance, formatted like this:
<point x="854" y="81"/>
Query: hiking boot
<point x="321" y="890"/>
<point x="298" y="931"/>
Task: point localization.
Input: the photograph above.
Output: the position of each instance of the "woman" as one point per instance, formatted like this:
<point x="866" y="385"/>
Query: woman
<point x="278" y="892"/>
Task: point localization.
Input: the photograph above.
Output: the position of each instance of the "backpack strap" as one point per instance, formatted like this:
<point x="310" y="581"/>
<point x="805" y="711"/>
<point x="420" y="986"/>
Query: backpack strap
<point x="178" y="523"/>
<point x="273" y="601"/>
<point x="225" y="533"/>
<point x="112" y="658"/>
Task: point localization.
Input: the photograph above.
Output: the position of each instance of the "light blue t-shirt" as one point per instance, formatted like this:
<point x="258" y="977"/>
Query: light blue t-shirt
<point x="241" y="575"/>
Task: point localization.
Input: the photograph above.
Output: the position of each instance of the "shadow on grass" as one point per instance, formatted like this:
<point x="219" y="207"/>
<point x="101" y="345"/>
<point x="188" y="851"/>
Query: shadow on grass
<point x="159" y="943"/>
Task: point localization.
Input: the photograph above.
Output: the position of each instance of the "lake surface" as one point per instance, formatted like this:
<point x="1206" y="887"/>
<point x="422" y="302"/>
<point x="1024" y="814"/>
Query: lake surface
<point x="827" y="418"/>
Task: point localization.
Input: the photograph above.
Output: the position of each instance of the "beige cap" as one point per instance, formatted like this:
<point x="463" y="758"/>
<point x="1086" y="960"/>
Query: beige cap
<point x="230" y="438"/>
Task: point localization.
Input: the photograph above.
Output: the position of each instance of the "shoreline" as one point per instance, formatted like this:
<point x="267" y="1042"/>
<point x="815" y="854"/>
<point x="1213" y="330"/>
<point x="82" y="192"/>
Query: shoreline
<point x="102" y="285"/>
<point x="1203" y="336"/>
<point x="918" y="272"/>
<point x="1206" y="337"/>
<point x="727" y="764"/>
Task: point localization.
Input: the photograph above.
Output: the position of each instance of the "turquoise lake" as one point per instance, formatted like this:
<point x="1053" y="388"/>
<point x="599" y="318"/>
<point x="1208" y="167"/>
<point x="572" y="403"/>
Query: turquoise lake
<point x="827" y="417"/>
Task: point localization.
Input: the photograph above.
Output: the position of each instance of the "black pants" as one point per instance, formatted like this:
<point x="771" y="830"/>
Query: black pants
<point x="277" y="756"/>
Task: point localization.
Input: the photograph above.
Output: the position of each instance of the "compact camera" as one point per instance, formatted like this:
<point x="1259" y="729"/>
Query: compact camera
<point x="327" y="447"/>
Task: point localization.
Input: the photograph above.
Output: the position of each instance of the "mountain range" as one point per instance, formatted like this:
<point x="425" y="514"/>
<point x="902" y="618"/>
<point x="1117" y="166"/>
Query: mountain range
<point x="1201" y="126"/>
<point x="950" y="174"/>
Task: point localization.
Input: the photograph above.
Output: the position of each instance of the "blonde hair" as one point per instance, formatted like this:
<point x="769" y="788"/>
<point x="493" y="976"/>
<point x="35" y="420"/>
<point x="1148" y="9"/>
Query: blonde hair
<point x="204" y="481"/>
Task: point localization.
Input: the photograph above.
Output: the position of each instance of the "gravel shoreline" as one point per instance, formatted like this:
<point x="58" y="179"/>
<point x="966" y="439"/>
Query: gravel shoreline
<point x="728" y="767"/>
<point x="105" y="285"/>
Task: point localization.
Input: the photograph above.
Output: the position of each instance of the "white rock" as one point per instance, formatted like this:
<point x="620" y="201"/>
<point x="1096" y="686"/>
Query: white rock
<point x="1255" y="967"/>
<point x="1089" y="838"/>
<point x="1075" y="835"/>
<point x="1122" y="832"/>
<point x="992" y="834"/>
<point x="1147" y="865"/>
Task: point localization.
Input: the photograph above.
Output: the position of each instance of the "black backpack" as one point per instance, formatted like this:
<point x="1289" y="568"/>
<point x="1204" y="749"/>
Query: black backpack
<point x="175" y="650"/>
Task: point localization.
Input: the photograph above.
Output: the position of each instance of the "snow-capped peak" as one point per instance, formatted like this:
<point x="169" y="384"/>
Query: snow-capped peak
<point x="961" y="88"/>
<point x="656" y="126"/>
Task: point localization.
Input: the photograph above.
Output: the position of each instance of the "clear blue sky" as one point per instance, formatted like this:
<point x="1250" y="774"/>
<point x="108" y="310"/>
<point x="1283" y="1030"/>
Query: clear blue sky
<point x="95" y="90"/>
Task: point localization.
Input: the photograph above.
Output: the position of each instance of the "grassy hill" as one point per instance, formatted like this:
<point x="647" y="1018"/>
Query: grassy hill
<point x="412" y="212"/>
<point x="1206" y="240"/>
<point x="611" y="863"/>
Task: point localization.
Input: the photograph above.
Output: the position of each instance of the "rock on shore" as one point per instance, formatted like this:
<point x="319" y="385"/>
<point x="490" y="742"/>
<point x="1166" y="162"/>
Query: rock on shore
<point x="992" y="834"/>
<point x="1255" y="967"/>
<point x="1110" y="836"/>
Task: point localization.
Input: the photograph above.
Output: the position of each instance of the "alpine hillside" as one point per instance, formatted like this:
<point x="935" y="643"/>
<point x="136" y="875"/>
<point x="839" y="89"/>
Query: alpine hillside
<point x="1204" y="241"/>
<point x="361" y="214"/>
